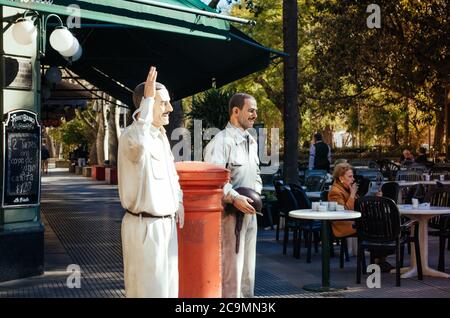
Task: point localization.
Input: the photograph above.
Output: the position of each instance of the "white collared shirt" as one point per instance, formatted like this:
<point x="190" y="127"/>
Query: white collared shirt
<point x="148" y="180"/>
<point x="229" y="149"/>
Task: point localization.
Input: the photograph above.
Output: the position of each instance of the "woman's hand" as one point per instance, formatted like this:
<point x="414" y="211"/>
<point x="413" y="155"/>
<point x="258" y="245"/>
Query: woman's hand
<point x="353" y="190"/>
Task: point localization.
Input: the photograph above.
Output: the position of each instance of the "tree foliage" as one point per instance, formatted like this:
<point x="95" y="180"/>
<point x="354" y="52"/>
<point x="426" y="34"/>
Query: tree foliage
<point x="211" y="107"/>
<point x="386" y="85"/>
<point x="74" y="132"/>
<point x="404" y="65"/>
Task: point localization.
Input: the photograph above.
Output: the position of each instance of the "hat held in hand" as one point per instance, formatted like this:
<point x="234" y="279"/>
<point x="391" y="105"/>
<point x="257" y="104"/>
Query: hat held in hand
<point x="252" y="194"/>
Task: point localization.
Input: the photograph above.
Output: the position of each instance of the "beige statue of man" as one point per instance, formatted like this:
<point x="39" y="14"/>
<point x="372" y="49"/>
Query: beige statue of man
<point x="151" y="196"/>
<point x="235" y="149"/>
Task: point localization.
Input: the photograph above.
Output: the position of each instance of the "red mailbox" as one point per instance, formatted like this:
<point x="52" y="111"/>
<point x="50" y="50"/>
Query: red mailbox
<point x="199" y="245"/>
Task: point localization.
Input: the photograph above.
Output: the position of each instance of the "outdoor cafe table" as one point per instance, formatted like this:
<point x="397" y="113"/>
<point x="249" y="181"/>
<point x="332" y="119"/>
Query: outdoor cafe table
<point x="412" y="183"/>
<point x="422" y="214"/>
<point x="403" y="184"/>
<point x="325" y="217"/>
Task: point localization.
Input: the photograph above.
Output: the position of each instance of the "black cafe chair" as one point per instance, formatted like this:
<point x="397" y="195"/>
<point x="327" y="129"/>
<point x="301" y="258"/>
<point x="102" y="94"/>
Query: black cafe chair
<point x="278" y="184"/>
<point x="380" y="228"/>
<point x="391" y="190"/>
<point x="440" y="225"/>
<point x="309" y="228"/>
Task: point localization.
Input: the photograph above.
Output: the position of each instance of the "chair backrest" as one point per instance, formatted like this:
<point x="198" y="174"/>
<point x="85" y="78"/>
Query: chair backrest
<point x="363" y="185"/>
<point x="436" y="175"/>
<point x="267" y="178"/>
<point x="391" y="190"/>
<point x="438" y="197"/>
<point x="359" y="162"/>
<point x="371" y="174"/>
<point x="408" y="176"/>
<point x="373" y="165"/>
<point x="388" y="168"/>
<point x="417" y="167"/>
<point x="278" y="184"/>
<point x="287" y="200"/>
<point x="416" y="191"/>
<point x="380" y="219"/>
<point x="300" y="195"/>
<point x="315" y="183"/>
<point x="322" y="173"/>
<point x="324" y="195"/>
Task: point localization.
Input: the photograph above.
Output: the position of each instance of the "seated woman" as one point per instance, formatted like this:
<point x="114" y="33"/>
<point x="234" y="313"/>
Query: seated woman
<point x="343" y="191"/>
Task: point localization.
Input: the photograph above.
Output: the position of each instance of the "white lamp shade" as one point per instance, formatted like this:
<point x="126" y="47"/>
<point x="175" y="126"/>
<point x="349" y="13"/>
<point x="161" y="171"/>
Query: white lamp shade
<point x="73" y="49"/>
<point x="53" y="75"/>
<point x="76" y="56"/>
<point x="24" y="31"/>
<point x="61" y="39"/>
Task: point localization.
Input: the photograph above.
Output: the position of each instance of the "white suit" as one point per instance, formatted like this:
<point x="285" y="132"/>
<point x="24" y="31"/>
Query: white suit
<point x="148" y="182"/>
<point x="229" y="149"/>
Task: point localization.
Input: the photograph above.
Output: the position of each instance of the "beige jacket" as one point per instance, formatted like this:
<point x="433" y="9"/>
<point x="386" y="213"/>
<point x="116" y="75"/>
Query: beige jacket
<point x="148" y="180"/>
<point x="229" y="149"/>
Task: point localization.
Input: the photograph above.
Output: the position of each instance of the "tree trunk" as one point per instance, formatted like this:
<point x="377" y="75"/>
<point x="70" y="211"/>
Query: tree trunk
<point x="328" y="135"/>
<point x="406" y="124"/>
<point x="93" y="160"/>
<point x="100" y="134"/>
<point x="117" y="119"/>
<point x="112" y="134"/>
<point x="290" y="88"/>
<point x="394" y="136"/>
<point x="49" y="141"/>
<point x="439" y="130"/>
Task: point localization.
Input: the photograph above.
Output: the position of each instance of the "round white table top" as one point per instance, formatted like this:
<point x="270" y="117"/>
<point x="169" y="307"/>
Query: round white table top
<point x="424" y="210"/>
<point x="326" y="215"/>
<point x="412" y="183"/>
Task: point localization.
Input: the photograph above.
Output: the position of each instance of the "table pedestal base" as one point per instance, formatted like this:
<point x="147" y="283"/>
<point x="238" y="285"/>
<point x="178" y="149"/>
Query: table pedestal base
<point x="408" y="272"/>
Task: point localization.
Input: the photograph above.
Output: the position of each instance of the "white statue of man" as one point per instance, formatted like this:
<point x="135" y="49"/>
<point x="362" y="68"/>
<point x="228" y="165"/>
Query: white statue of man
<point x="151" y="195"/>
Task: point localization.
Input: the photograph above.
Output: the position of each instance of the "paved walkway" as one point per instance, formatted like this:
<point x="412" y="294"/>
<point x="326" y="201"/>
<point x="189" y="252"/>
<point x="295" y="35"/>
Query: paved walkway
<point x="83" y="218"/>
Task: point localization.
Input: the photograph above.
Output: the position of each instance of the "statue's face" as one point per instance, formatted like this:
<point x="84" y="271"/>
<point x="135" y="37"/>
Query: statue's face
<point x="162" y="108"/>
<point x="247" y="116"/>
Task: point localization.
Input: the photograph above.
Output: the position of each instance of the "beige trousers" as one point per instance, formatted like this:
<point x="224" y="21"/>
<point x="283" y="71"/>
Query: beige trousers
<point x="150" y="257"/>
<point x="238" y="270"/>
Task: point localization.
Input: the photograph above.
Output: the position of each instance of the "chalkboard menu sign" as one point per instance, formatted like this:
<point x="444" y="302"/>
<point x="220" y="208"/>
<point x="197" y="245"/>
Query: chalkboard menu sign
<point x="21" y="159"/>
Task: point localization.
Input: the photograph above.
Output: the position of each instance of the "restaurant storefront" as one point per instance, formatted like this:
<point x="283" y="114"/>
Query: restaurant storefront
<point x="193" y="47"/>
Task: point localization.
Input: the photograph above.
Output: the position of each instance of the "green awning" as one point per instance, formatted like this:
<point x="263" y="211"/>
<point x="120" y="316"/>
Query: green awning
<point x="117" y="59"/>
<point x="121" y="39"/>
<point x="135" y="14"/>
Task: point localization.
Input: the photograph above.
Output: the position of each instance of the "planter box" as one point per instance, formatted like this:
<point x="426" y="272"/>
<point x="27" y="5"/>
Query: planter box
<point x="62" y="164"/>
<point x="87" y="171"/>
<point x="111" y="175"/>
<point x="98" y="173"/>
<point x="78" y="170"/>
